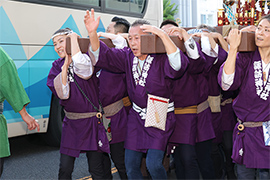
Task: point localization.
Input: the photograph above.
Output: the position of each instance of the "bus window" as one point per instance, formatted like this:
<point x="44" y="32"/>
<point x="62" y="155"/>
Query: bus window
<point x="84" y="2"/>
<point x="135" y="6"/>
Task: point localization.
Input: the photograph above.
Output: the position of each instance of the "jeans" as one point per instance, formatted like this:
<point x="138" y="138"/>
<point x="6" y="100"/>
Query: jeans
<point x="154" y="164"/>
<point x="250" y="173"/>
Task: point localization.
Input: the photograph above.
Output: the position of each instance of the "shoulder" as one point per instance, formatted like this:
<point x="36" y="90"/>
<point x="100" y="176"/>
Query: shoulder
<point x="59" y="62"/>
<point x="246" y="58"/>
<point x="4" y="57"/>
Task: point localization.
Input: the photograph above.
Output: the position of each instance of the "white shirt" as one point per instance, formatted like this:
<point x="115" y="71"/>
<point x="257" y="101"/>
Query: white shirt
<point x="81" y="64"/>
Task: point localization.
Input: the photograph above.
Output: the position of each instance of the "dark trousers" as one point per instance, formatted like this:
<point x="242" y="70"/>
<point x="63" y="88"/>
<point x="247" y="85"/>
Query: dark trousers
<point x="218" y="160"/>
<point x="185" y="159"/>
<point x="1" y="166"/>
<point x="118" y="158"/>
<point x="96" y="165"/>
<point x="227" y="149"/>
<point x="203" y="151"/>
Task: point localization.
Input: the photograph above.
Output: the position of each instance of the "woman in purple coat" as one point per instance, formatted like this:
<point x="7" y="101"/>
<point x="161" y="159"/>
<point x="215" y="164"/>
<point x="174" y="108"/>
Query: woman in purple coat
<point x="249" y="72"/>
<point x="80" y="131"/>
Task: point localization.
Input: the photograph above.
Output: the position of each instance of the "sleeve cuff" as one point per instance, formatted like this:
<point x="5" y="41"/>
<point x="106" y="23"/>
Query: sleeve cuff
<point x="175" y="60"/>
<point x="191" y="47"/>
<point x="95" y="53"/>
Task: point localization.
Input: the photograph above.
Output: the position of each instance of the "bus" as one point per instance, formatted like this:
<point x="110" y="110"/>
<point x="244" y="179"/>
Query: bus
<point x="26" y="27"/>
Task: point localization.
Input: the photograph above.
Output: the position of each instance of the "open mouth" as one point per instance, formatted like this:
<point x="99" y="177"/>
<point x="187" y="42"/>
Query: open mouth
<point x="259" y="39"/>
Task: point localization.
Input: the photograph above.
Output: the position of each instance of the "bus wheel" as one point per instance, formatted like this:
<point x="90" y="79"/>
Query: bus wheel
<point x="53" y="135"/>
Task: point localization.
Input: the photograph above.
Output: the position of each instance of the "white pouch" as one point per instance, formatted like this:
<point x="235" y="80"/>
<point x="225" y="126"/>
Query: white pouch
<point x="266" y="132"/>
<point x="156" y="113"/>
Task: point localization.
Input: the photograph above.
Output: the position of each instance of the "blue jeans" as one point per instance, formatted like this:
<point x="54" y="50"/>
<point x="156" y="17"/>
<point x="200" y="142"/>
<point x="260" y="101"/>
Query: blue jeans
<point x="154" y="164"/>
<point x="250" y="173"/>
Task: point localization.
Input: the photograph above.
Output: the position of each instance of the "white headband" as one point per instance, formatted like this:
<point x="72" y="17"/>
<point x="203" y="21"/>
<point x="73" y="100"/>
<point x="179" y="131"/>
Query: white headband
<point x="62" y="33"/>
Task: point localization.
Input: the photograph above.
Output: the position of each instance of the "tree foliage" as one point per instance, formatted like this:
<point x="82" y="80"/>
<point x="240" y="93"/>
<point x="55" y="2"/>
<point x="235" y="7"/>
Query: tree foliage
<point x="169" y="10"/>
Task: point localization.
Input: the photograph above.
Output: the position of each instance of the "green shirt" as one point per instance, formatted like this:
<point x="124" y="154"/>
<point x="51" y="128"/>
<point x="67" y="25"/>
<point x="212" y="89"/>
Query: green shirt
<point x="11" y="89"/>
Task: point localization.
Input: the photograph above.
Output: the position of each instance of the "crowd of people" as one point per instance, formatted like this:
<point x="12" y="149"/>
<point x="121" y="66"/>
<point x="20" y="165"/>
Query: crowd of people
<point x="206" y="107"/>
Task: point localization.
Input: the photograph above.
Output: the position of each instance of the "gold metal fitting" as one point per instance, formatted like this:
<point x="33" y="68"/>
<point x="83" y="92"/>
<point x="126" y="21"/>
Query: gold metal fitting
<point x="240" y="127"/>
<point x="99" y="115"/>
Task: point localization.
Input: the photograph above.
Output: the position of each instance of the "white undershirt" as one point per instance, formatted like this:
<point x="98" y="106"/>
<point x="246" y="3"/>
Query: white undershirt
<point x="81" y="64"/>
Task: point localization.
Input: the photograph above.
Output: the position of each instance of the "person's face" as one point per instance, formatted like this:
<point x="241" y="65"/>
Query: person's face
<point x="110" y="28"/>
<point x="59" y="43"/>
<point x="262" y="34"/>
<point x="134" y="41"/>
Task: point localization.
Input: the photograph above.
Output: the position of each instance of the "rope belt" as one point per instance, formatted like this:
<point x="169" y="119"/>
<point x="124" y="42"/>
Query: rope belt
<point x="113" y="108"/>
<point x="1" y="107"/>
<point x="75" y="116"/>
<point x="126" y="101"/>
<point x="227" y="101"/>
<point x="242" y="125"/>
<point x="142" y="111"/>
<point x="195" y="109"/>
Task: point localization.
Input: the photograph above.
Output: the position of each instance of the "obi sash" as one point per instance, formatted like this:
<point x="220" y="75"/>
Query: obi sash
<point x="196" y="109"/>
<point x="75" y="116"/>
<point x="113" y="108"/>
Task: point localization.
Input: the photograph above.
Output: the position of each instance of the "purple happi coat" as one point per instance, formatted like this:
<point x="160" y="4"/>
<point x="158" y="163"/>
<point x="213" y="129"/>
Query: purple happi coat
<point x="185" y="94"/>
<point x="215" y="90"/>
<point x="251" y="105"/>
<point x="205" y="129"/>
<point x="112" y="88"/>
<point x="155" y="82"/>
<point x="80" y="134"/>
<point x="228" y="119"/>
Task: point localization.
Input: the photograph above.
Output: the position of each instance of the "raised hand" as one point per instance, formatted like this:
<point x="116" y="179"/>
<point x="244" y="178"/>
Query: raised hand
<point x="90" y="23"/>
<point x="151" y="29"/>
<point x="180" y="32"/>
<point x="234" y="38"/>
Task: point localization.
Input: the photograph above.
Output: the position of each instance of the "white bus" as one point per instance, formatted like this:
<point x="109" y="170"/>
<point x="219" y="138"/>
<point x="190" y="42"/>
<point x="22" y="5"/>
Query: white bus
<point x="26" y="27"/>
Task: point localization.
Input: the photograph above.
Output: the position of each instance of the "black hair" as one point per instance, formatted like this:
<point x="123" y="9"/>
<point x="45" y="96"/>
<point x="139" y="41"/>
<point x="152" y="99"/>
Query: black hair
<point x="168" y="21"/>
<point x="121" y="24"/>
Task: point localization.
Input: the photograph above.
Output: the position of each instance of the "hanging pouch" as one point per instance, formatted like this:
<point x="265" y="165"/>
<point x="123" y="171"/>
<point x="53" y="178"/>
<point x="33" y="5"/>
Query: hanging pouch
<point x="103" y="142"/>
<point x="156" y="114"/>
<point x="238" y="148"/>
<point x="214" y="103"/>
<point x="107" y="126"/>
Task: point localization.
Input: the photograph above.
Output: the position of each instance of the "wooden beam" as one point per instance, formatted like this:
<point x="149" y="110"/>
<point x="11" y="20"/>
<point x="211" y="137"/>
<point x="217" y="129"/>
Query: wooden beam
<point x="151" y="44"/>
<point x="84" y="44"/>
